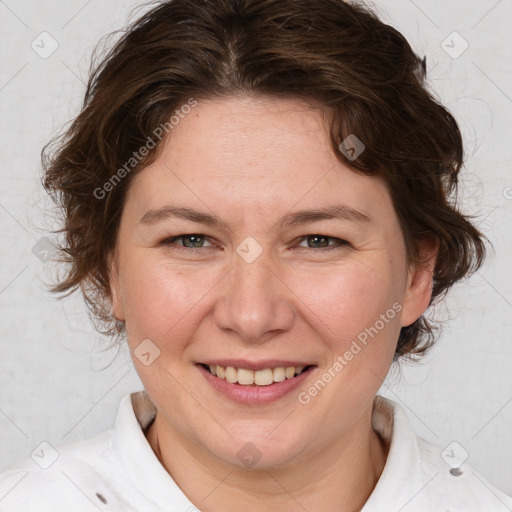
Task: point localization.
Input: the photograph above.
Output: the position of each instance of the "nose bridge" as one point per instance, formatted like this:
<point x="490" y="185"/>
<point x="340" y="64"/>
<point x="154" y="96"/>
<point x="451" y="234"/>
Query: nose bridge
<point x="254" y="301"/>
<point x="254" y="273"/>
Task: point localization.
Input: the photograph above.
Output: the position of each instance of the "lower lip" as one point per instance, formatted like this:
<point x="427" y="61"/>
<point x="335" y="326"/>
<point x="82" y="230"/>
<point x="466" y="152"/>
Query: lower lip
<point x="255" y="394"/>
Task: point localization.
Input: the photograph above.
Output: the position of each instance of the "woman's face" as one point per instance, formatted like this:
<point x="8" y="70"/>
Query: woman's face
<point x="254" y="285"/>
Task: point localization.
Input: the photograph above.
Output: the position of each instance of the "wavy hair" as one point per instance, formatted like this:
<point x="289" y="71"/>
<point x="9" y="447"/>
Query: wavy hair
<point x="339" y="54"/>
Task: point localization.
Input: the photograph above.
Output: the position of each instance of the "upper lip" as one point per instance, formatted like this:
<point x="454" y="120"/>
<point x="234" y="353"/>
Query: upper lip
<point x="255" y="365"/>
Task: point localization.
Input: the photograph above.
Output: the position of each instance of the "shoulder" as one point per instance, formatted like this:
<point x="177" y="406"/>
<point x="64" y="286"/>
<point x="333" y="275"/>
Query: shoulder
<point x="421" y="477"/>
<point x="453" y="485"/>
<point x="63" y="478"/>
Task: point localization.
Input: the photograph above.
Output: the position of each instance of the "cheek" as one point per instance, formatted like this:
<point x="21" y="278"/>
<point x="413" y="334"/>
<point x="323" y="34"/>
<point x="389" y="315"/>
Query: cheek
<point x="348" y="299"/>
<point x="356" y="310"/>
<point x="159" y="298"/>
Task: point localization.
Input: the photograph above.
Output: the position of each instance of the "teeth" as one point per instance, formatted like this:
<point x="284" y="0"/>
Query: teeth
<point x="259" y="378"/>
<point x="245" y="377"/>
<point x="263" y="377"/>
<point x="279" y="374"/>
<point x="290" y="372"/>
<point x="231" y="374"/>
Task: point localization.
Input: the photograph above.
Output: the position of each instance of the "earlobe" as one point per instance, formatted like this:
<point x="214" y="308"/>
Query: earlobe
<point x="420" y="282"/>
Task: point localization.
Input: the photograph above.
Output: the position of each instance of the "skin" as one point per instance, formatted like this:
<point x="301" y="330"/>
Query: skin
<point x="251" y="160"/>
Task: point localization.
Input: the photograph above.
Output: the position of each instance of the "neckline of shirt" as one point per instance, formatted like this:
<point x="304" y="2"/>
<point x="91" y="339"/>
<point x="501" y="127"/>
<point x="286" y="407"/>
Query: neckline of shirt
<point x="398" y="483"/>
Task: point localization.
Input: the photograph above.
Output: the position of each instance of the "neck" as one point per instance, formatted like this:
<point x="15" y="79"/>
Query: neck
<point x="337" y="478"/>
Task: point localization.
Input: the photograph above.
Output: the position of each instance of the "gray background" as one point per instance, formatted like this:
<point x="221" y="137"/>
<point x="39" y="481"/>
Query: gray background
<point x="56" y="383"/>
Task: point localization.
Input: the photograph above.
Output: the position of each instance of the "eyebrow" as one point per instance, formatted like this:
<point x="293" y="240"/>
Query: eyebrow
<point x="290" y="219"/>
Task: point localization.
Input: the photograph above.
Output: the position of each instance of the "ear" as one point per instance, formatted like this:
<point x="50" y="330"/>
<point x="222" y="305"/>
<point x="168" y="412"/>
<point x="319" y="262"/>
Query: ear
<point x="420" y="281"/>
<point x="115" y="290"/>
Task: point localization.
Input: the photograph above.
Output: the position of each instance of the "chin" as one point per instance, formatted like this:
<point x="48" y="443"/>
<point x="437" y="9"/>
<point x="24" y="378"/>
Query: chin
<point x="260" y="450"/>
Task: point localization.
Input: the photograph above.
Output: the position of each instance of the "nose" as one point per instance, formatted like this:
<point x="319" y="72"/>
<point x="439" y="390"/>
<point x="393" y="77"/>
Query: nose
<point x="255" y="303"/>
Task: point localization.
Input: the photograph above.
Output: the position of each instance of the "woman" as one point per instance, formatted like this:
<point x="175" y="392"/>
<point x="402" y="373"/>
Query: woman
<point x="258" y="196"/>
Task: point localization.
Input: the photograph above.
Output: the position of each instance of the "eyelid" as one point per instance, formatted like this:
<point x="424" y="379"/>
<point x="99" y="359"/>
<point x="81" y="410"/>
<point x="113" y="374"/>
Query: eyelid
<point x="338" y="242"/>
<point x="170" y="239"/>
<point x="341" y="241"/>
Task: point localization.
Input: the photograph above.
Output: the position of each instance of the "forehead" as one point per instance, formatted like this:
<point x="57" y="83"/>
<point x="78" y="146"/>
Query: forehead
<point x="258" y="154"/>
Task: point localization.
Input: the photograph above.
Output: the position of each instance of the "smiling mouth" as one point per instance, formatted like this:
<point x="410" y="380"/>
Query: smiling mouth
<point x="264" y="377"/>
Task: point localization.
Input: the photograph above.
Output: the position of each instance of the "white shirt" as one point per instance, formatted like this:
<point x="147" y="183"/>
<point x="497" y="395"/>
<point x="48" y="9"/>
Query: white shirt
<point x="118" y="471"/>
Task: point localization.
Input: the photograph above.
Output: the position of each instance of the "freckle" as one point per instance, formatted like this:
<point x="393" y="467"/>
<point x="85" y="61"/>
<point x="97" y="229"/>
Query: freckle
<point x="101" y="498"/>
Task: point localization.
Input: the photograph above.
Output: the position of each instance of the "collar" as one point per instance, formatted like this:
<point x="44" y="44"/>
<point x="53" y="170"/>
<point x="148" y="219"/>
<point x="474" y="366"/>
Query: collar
<point x="140" y="463"/>
<point x="401" y="479"/>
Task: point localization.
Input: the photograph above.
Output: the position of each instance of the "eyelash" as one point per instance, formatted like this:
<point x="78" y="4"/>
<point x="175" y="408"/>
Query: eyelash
<point x="171" y="241"/>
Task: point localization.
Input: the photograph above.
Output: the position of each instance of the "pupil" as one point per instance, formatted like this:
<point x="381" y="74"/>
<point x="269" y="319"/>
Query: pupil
<point x="191" y="237"/>
<point x="316" y="238"/>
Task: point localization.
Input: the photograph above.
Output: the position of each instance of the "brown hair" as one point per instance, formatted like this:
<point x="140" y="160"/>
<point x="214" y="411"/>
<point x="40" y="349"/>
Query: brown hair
<point x="363" y="71"/>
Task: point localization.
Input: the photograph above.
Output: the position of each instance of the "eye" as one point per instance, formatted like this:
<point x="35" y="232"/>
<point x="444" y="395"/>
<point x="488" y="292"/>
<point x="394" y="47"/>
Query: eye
<point x="190" y="241"/>
<point x="198" y="240"/>
<point x="322" y="241"/>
